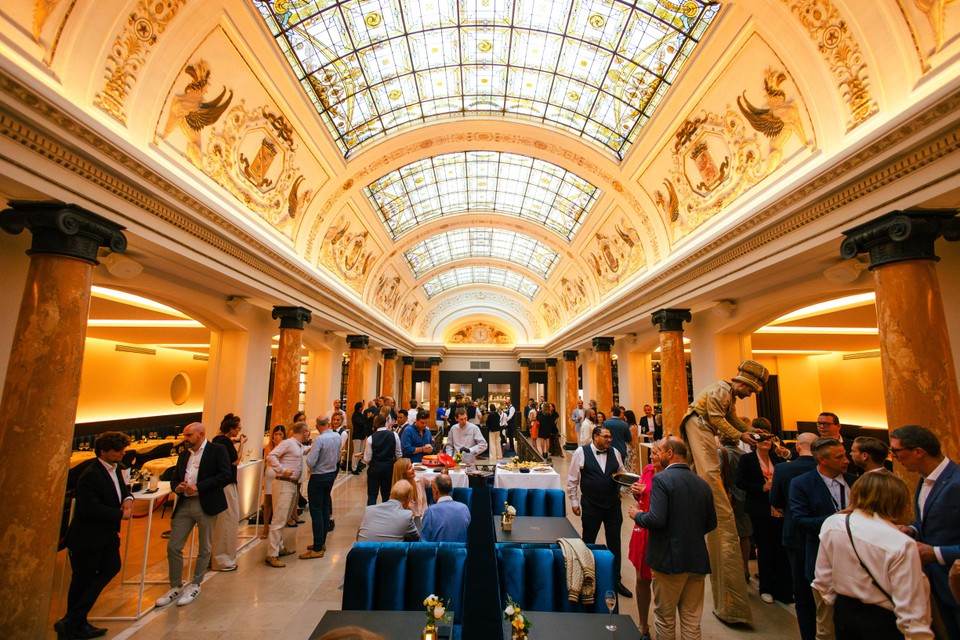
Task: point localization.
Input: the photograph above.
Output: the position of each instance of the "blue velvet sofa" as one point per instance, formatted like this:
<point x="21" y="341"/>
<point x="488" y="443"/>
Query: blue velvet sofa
<point x="460" y="494"/>
<point x="530" y="502"/>
<point x="398" y="576"/>
<point x="535" y="576"/>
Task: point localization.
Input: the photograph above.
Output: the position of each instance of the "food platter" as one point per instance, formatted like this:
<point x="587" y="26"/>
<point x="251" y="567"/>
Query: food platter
<point x="626" y="479"/>
<point x="543" y="469"/>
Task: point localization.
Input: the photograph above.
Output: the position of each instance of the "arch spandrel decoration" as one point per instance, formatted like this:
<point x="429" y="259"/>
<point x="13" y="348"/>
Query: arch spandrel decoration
<point x="455" y="305"/>
<point x="479" y="332"/>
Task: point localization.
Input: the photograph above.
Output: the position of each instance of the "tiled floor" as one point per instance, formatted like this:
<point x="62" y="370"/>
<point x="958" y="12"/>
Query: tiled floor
<point x="258" y="601"/>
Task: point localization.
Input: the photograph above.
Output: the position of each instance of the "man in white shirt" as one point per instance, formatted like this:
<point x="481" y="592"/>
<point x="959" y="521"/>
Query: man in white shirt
<point x="591" y="470"/>
<point x="585" y="433"/>
<point x="337" y="409"/>
<point x="577" y="416"/>
<point x="509" y="424"/>
<point x="465" y="437"/>
<point x="287" y="462"/>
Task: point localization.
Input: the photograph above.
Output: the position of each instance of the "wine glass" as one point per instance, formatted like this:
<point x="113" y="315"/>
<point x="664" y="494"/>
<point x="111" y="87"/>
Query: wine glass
<point x="611" y="599"/>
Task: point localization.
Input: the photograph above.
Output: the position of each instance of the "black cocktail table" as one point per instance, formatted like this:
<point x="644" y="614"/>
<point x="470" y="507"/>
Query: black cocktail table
<point x="536" y="529"/>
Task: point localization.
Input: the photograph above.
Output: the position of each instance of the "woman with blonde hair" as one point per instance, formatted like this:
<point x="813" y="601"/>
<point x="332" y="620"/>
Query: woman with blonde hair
<point x="403" y="470"/>
<point x="869" y="570"/>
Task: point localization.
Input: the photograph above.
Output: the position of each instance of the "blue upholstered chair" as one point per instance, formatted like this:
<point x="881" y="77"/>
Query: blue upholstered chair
<point x="397" y="576"/>
<point x="530" y="502"/>
<point x="460" y="494"/>
<point x="535" y="576"/>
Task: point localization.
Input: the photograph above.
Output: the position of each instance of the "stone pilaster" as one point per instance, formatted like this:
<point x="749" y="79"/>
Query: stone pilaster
<point x="673" y="366"/>
<point x="601" y="347"/>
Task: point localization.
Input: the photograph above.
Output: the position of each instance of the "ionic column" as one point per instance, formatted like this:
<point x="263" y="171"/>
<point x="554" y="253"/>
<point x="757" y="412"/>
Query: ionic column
<point x="601" y="347"/>
<point x="358" y="355"/>
<point x="435" y="383"/>
<point x="39" y="403"/>
<point x="524" y="388"/>
<point x="919" y="378"/>
<point x="286" y="377"/>
<point x="389" y="373"/>
<point x="406" y="383"/>
<point x="572" y="395"/>
<point x="553" y="395"/>
<point x="673" y="366"/>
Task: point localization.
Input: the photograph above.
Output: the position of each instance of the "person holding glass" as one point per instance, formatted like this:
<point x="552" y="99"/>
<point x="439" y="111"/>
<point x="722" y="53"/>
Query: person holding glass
<point x="638" y="541"/>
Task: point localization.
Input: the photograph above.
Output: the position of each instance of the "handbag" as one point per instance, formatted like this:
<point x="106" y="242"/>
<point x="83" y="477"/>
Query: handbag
<point x="860" y="560"/>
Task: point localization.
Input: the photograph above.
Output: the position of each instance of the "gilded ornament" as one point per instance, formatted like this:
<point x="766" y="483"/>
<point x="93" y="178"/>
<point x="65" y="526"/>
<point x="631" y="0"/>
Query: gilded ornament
<point x="597" y="21"/>
<point x="373" y="19"/>
<point x="345" y="253"/>
<point x="395" y="94"/>
<point x="485" y="46"/>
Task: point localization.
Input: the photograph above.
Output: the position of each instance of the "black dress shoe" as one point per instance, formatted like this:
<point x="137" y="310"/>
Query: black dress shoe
<point x="86" y="631"/>
<point x="65" y="629"/>
<point x="622" y="590"/>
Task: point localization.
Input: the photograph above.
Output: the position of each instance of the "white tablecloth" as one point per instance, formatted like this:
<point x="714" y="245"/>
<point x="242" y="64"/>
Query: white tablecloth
<point x="157" y="466"/>
<point x="459" y="478"/>
<point x="534" y="480"/>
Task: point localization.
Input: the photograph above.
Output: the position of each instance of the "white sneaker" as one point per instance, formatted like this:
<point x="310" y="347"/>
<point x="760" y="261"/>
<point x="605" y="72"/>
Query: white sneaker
<point x="189" y="595"/>
<point x="169" y="596"/>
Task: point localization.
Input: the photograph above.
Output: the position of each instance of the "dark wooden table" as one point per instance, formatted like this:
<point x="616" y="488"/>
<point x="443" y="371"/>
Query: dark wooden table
<point x="536" y="529"/>
<point x="547" y="624"/>
<point x="393" y="625"/>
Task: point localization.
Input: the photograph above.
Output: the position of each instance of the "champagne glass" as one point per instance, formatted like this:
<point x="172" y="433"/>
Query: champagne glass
<point x="611" y="599"/>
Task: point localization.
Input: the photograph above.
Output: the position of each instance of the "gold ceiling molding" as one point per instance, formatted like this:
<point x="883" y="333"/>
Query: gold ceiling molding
<point x="38" y="25"/>
<point x="375" y="169"/>
<point x="245" y="248"/>
<point x="480" y="302"/>
<point x="130" y="50"/>
<point x="910" y="162"/>
<point x="841" y="51"/>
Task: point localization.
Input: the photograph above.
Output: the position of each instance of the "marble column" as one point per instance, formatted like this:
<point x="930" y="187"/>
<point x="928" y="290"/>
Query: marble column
<point x="435" y="383"/>
<point x="406" y="383"/>
<point x="919" y="378"/>
<point x="524" y="387"/>
<point x="286" y="376"/>
<point x="601" y="347"/>
<point x="553" y="394"/>
<point x="39" y="402"/>
<point x="358" y="356"/>
<point x="673" y="367"/>
<point x="389" y="374"/>
<point x="571" y="396"/>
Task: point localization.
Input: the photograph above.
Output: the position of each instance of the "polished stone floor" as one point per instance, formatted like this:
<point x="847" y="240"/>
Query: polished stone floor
<point x="258" y="601"/>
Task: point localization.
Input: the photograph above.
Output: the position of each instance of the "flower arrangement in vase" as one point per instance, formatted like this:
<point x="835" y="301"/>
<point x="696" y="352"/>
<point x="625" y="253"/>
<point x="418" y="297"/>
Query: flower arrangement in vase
<point x="436" y="612"/>
<point x="520" y="624"/>
<point x="506" y="518"/>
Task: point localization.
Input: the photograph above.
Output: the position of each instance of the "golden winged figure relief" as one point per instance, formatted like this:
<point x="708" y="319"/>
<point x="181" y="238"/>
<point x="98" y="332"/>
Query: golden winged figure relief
<point x="192" y="113"/>
<point x="778" y="121"/>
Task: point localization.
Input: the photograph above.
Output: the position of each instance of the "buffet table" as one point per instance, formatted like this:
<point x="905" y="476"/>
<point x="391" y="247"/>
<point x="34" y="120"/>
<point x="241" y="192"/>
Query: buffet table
<point x="505" y="479"/>
<point x="457" y="476"/>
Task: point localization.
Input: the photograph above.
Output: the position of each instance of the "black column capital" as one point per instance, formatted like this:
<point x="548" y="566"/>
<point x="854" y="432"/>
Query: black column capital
<point x="570" y="356"/>
<point x="358" y="342"/>
<point x="389" y="354"/>
<point x="435" y="361"/>
<point x="901" y="235"/>
<point x="408" y="360"/>
<point x="671" y="319"/>
<point x="292" y="317"/>
<point x="525" y="362"/>
<point x="551" y="362"/>
<point x="63" y="229"/>
<point x="602" y="344"/>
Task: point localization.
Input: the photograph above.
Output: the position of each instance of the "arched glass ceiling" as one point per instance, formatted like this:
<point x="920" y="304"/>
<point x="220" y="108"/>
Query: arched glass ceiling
<point x="461" y="244"/>
<point x="482" y="181"/>
<point x="595" y="68"/>
<point x="465" y="276"/>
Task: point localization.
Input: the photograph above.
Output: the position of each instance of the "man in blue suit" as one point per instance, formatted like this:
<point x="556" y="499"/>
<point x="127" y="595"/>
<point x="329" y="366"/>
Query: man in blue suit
<point x="793" y="538"/>
<point x="681" y="514"/>
<point x="447" y="520"/>
<point x="813" y="497"/>
<point x="937" y="508"/>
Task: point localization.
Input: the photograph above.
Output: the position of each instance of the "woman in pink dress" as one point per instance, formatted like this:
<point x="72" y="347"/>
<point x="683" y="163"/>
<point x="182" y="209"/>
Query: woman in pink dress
<point x="638" y="544"/>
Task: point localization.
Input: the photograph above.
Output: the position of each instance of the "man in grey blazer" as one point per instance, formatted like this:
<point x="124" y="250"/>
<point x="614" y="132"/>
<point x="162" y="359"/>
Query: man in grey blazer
<point x="390" y="521"/>
<point x="681" y="515"/>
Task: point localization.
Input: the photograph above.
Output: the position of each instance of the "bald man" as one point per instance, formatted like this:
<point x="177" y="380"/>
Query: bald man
<point x="793" y="540"/>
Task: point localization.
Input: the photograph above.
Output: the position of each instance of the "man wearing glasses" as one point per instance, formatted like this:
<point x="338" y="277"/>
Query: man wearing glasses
<point x="937" y="505"/>
<point x="828" y="426"/>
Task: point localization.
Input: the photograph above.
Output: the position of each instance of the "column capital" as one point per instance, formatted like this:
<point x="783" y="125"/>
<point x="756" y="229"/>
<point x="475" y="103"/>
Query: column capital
<point x="524" y="362"/>
<point x="63" y="229"/>
<point x="389" y="354"/>
<point x="408" y="360"/>
<point x="358" y="341"/>
<point x="551" y="362"/>
<point x="292" y="317"/>
<point x="901" y="235"/>
<point x="570" y="356"/>
<point x="435" y="361"/>
<point x="602" y="344"/>
<point x="671" y="319"/>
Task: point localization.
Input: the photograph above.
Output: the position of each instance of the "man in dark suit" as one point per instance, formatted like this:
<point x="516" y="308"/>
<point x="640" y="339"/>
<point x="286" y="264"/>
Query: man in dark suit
<point x="93" y="540"/>
<point x="202" y="471"/>
<point x="648" y="423"/>
<point x="937" y="509"/>
<point x="828" y="426"/>
<point x="813" y="497"/>
<point x="793" y="538"/>
<point x="619" y="431"/>
<point x="680" y="516"/>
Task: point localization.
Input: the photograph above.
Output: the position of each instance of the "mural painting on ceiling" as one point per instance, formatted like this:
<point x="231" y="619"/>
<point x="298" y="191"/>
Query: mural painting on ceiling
<point x="408" y="314"/>
<point x="550" y="315"/>
<point x="488" y="300"/>
<point x="346" y="252"/>
<point x="736" y="137"/>
<point x="572" y="293"/>
<point x="616" y="251"/>
<point x="387" y="294"/>
<point x="251" y="151"/>
<point x="480" y="333"/>
<point x="933" y="24"/>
